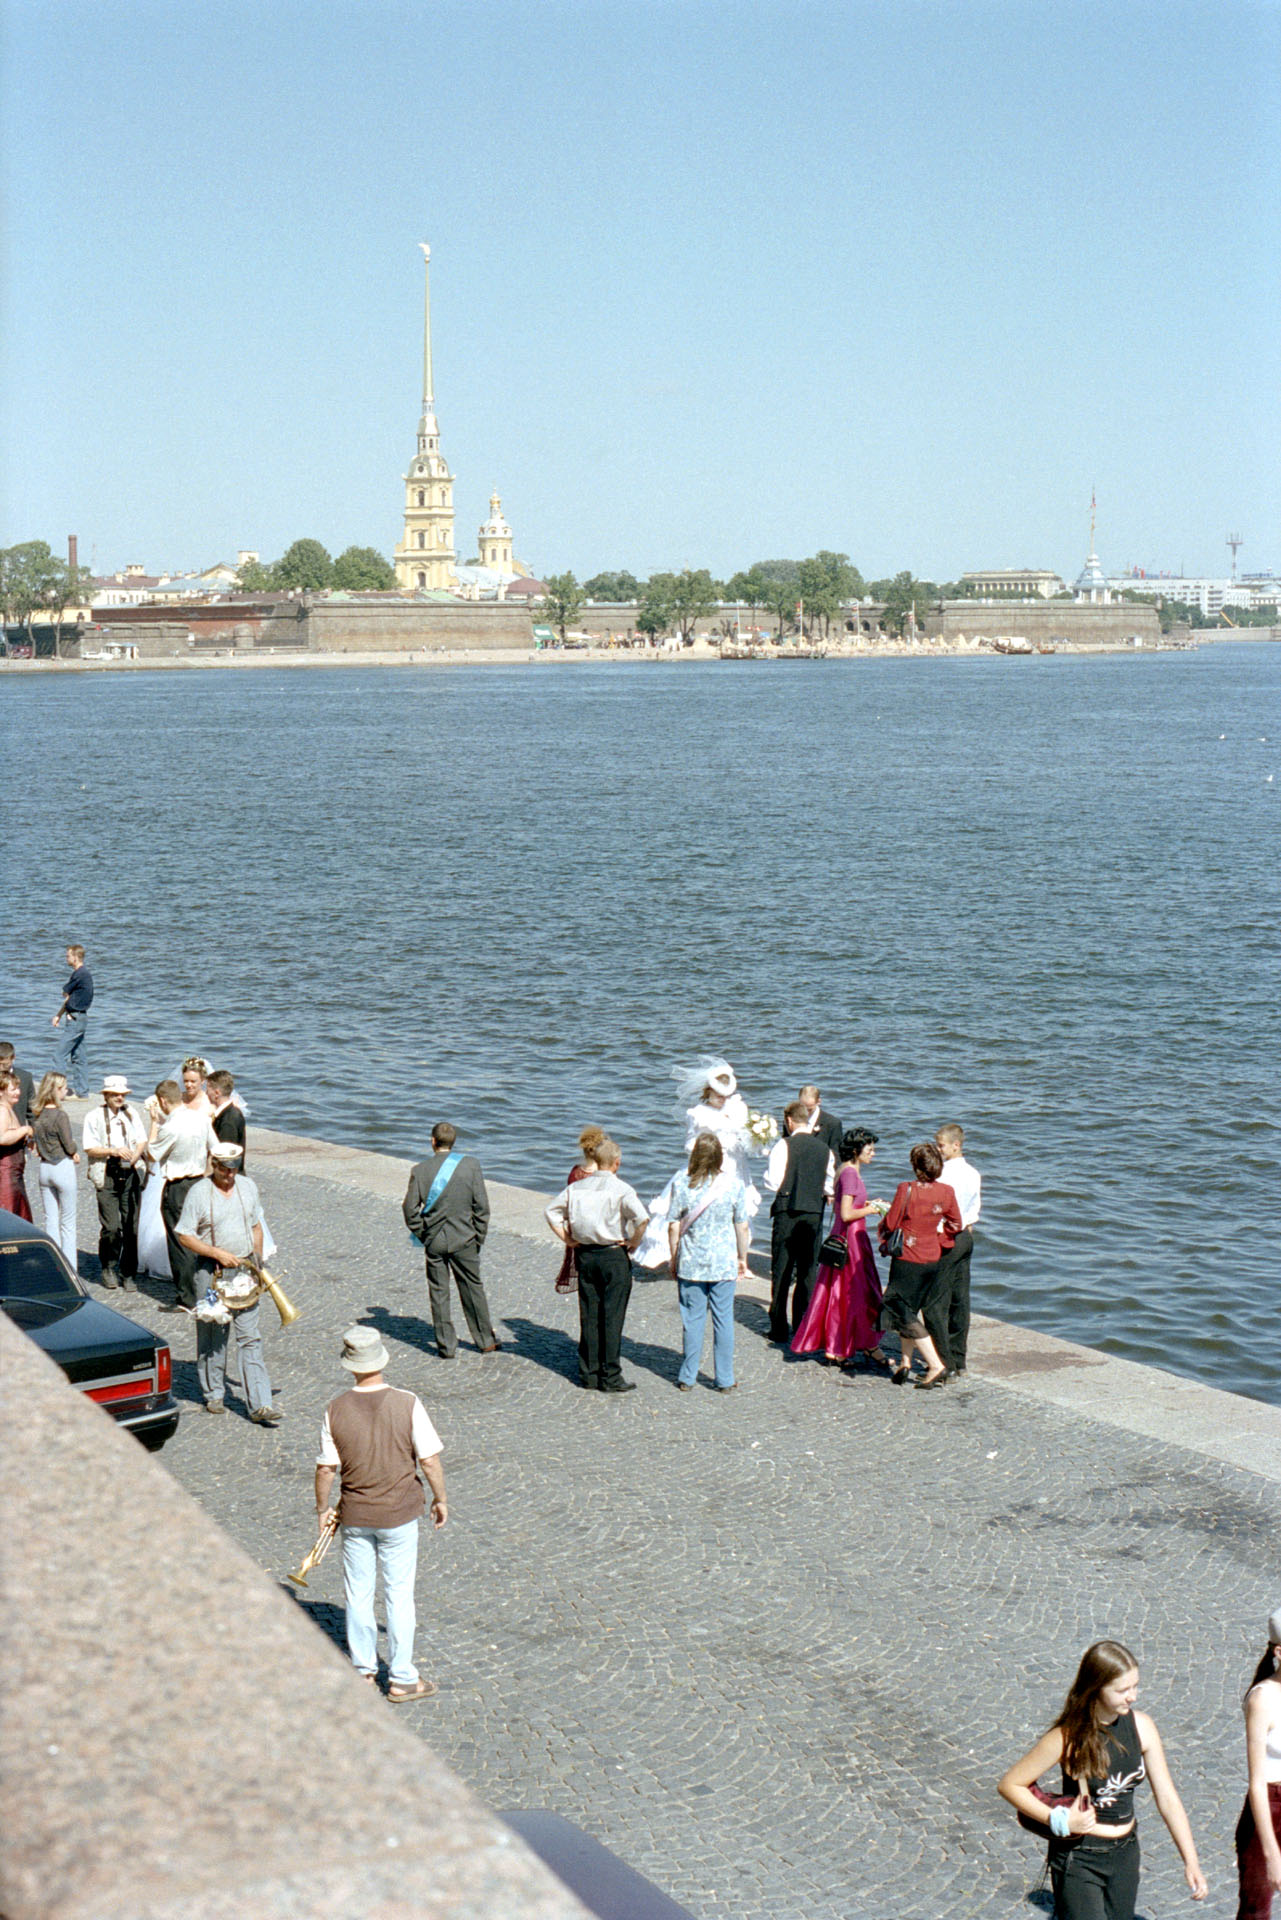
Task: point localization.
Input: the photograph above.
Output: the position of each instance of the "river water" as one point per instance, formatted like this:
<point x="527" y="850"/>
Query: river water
<point x="1041" y="896"/>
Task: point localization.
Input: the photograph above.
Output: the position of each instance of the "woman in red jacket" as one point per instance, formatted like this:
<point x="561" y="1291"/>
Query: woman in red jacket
<point x="927" y="1211"/>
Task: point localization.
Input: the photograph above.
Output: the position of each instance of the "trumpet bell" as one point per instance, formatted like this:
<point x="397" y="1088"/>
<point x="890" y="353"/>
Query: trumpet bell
<point x="280" y="1300"/>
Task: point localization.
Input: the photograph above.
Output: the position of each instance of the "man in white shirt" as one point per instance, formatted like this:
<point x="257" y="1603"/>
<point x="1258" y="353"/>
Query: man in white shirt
<point x="604" y="1220"/>
<point x="180" y="1149"/>
<point x="947" y="1311"/>
<point x="115" y="1143"/>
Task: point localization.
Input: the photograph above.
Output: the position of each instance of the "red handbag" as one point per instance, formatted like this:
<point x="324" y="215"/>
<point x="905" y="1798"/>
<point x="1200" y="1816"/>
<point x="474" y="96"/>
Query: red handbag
<point x="1038" y="1827"/>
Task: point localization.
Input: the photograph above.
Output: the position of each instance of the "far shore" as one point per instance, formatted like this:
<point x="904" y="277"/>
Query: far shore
<point x="587" y="655"/>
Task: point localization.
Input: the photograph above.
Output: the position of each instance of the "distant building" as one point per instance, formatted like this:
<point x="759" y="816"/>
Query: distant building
<point x="425" y="557"/>
<point x="1252" y="592"/>
<point x="1019" y="583"/>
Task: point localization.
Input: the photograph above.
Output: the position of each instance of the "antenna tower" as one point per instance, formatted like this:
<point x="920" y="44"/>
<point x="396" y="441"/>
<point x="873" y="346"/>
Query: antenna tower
<point x="1234" y="541"/>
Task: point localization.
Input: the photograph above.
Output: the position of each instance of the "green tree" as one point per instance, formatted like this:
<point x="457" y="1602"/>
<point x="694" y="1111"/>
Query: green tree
<point x="563" y="601"/>
<point x="28" y="574"/>
<point x="694" y="596"/>
<point x="253" y="577"/>
<point x="306" y="564"/>
<point x="612" y="586"/>
<point x="903" y="595"/>
<point x="657" y="604"/>
<point x="362" y="570"/>
<point x="827" y="581"/>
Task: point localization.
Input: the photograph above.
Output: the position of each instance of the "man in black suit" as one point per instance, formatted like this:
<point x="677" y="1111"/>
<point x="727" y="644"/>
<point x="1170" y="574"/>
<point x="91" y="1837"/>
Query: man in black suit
<point x="798" y="1170"/>
<point x="823" y="1123"/>
<point x="447" y="1208"/>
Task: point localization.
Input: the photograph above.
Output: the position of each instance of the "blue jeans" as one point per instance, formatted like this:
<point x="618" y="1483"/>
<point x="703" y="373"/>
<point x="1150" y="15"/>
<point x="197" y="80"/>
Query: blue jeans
<point x="395" y="1550"/>
<point x="696" y="1296"/>
<point x="69" y="1056"/>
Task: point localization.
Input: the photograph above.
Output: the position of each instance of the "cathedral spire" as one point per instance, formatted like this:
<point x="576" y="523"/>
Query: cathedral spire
<point x="429" y="398"/>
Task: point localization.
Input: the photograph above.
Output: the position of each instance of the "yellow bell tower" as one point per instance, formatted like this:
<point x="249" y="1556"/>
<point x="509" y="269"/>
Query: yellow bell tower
<point x="425" y="557"/>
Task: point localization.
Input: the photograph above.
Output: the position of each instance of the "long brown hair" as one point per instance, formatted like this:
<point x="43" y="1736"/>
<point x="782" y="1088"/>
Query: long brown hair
<point x="1085" y="1742"/>
<point x="705" y="1159"/>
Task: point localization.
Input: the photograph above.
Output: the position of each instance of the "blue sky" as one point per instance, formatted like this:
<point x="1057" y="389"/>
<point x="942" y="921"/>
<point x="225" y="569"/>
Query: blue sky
<point x="710" y="282"/>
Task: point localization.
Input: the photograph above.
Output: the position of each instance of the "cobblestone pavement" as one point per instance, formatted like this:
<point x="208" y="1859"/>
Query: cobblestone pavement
<point x="774" y="1647"/>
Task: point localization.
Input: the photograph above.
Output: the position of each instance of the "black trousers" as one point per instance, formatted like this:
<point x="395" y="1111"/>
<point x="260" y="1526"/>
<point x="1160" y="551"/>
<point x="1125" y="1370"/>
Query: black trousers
<point x="947" y="1309"/>
<point x="794" y="1239"/>
<point x="604" y="1288"/>
<point x="182" y="1264"/>
<point x="119" y="1202"/>
<point x="1096" y="1879"/>
<point x="463" y="1267"/>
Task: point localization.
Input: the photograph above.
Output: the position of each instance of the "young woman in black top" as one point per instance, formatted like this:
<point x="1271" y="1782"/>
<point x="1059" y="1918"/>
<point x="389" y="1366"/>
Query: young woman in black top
<point x="1104" y="1749"/>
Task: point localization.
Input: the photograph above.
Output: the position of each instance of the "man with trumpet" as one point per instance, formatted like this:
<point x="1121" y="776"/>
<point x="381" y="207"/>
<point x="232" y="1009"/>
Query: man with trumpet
<point x="379" y="1439"/>
<point x="221" y="1224"/>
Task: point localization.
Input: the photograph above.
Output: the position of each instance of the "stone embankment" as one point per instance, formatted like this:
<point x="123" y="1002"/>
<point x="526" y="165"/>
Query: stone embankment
<point x="773" y="1648"/>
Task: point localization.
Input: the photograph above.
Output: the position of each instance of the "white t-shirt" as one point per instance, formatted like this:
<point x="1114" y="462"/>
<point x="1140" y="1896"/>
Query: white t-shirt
<point x="181" y="1146"/>
<point x="966" y="1183"/>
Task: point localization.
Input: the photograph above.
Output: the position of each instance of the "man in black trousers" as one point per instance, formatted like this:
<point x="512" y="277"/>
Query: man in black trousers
<point x="798" y="1170"/>
<point x="447" y="1208"/>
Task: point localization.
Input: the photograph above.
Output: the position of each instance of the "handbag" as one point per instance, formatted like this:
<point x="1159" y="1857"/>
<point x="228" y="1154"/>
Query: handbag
<point x="833" y="1252"/>
<point x="892" y="1242"/>
<point x="1038" y="1827"/>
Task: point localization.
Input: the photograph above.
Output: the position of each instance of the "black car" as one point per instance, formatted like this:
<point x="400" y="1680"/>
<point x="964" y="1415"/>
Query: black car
<point x="127" y="1370"/>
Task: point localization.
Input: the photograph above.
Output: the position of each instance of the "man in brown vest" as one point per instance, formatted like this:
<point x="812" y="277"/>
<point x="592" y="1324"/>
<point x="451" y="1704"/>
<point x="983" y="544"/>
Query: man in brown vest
<point x="378" y="1438"/>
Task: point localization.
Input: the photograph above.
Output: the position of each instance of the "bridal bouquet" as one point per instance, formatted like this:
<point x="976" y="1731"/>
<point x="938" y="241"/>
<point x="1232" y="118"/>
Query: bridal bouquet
<point x="761" y="1131"/>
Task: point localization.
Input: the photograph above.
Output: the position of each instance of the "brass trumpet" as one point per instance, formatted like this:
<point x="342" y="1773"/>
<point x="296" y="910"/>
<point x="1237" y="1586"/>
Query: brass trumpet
<point x="279" y="1299"/>
<point x="318" y="1552"/>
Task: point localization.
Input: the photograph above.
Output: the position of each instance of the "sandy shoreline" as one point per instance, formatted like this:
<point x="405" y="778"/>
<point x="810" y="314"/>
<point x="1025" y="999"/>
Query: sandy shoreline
<point x="535" y="656"/>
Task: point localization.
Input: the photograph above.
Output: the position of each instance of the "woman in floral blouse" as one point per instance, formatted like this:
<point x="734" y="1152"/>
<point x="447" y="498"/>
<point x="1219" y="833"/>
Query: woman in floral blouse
<point x="708" y="1234"/>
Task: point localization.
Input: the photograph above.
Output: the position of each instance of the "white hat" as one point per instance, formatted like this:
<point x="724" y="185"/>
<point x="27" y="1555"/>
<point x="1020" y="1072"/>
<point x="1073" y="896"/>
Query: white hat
<point x="115" y="1083"/>
<point x="363" y="1350"/>
<point x="227" y="1152"/>
<point x="1274" y="1628"/>
<point x="723" y="1081"/>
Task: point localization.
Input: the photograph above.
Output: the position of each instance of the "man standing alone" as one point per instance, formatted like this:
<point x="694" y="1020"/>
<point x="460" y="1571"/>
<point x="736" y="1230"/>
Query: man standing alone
<point x="70" y="1058"/>
<point x="447" y="1208"/>
<point x="798" y="1171"/>
<point x="379" y="1438"/>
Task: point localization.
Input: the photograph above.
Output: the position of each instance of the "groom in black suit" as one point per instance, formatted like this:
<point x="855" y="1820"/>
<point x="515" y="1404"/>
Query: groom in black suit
<point x="447" y="1208"/>
<point x="798" y="1168"/>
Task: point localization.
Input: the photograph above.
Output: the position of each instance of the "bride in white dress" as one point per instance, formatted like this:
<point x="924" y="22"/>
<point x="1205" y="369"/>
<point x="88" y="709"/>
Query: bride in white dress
<point x="709" y="1102"/>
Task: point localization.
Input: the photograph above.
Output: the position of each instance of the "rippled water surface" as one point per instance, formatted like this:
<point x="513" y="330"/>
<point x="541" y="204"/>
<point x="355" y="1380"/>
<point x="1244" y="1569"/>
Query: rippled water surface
<point x="1038" y="895"/>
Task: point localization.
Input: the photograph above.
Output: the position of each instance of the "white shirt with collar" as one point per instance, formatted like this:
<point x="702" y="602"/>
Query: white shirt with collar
<point x="966" y="1183"/>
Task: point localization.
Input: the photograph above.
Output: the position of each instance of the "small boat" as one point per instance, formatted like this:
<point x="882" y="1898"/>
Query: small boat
<point x="1014" y="644"/>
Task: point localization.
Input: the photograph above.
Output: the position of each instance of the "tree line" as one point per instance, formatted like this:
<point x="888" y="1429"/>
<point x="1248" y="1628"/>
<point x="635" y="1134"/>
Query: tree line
<point x="801" y="595"/>
<point x="307" y="566"/>
<point x="34" y="579"/>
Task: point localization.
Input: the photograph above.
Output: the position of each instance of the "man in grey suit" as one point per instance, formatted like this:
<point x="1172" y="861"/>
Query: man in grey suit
<point x="447" y="1208"/>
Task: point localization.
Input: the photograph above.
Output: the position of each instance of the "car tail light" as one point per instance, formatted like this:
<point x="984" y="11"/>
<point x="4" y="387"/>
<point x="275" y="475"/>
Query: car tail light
<point x="123" y="1390"/>
<point x="164" y="1370"/>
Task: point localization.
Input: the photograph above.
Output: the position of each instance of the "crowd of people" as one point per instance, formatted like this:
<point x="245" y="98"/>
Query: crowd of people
<point x="174" y="1201"/>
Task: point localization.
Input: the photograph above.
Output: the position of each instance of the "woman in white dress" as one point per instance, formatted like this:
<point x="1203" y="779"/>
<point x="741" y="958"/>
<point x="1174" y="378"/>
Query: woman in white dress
<point x="709" y="1101"/>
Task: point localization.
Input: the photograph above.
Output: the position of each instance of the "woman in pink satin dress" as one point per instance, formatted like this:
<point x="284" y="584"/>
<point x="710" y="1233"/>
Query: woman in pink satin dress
<point x="843" y="1315"/>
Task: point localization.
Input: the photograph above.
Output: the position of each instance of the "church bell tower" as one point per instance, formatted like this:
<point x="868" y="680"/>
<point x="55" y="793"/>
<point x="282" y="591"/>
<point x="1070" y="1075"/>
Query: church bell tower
<point x="425" y="556"/>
